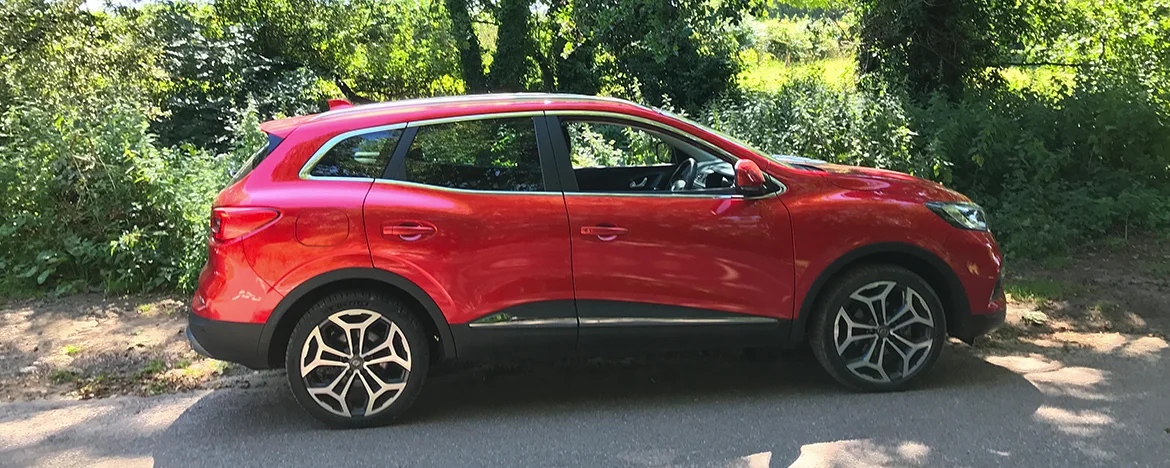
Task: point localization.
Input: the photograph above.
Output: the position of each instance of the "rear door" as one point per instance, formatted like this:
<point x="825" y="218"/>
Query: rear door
<point x="470" y="210"/>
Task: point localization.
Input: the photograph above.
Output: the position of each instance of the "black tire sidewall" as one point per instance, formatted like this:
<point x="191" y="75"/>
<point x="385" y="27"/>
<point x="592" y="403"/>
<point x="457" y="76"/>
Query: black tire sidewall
<point x="394" y="311"/>
<point x="821" y="338"/>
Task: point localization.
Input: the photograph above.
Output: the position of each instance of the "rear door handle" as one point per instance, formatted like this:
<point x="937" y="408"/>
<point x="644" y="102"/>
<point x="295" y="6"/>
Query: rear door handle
<point x="407" y="231"/>
<point x="605" y="233"/>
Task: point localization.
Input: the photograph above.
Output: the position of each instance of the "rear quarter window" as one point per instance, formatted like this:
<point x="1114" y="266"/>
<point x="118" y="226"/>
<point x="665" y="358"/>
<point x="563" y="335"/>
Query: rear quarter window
<point x="364" y="155"/>
<point x="256" y="158"/>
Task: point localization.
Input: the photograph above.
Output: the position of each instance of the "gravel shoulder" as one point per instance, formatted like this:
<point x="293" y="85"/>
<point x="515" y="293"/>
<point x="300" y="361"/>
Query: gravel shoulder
<point x="1109" y="299"/>
<point x="1077" y="377"/>
<point x="94" y="346"/>
<point x="1085" y="409"/>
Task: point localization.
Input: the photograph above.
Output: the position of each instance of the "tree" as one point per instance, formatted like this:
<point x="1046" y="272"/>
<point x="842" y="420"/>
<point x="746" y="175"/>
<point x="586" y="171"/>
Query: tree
<point x="368" y="50"/>
<point x="641" y="49"/>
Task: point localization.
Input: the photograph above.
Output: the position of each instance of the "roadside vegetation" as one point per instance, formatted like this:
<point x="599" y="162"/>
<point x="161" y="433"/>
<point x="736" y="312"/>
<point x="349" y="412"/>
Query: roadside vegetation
<point x="118" y="124"/>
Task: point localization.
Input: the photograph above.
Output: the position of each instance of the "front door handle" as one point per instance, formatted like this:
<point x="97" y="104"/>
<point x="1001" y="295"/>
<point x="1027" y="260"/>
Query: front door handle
<point x="407" y="231"/>
<point x="605" y="233"/>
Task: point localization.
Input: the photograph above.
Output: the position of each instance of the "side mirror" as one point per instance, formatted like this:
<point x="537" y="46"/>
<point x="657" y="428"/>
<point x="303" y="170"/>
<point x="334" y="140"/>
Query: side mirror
<point x="749" y="179"/>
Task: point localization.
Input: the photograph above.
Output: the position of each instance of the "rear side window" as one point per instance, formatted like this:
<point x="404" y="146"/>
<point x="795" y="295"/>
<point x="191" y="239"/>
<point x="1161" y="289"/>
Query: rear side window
<point x="491" y="154"/>
<point x="362" y="156"/>
<point x="256" y="158"/>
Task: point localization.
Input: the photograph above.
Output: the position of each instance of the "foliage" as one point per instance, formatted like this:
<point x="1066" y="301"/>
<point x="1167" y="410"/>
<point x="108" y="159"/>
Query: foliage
<point x="1052" y="171"/>
<point x="939" y="45"/>
<point x="368" y="50"/>
<point x="119" y="126"/>
<point x="91" y="198"/>
<point x="213" y="72"/>
<point x="799" y="39"/>
<point x="808" y="117"/>
<point x="1056" y="172"/>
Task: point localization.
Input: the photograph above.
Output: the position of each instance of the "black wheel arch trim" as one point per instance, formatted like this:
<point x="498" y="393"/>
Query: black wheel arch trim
<point x="959" y="319"/>
<point x="447" y="349"/>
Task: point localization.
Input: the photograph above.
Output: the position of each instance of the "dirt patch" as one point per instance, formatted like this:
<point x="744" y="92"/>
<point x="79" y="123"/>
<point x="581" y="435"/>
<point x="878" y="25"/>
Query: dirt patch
<point x="1113" y="298"/>
<point x="89" y="346"/>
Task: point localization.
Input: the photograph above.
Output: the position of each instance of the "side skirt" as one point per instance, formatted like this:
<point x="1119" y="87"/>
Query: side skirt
<point x="552" y="330"/>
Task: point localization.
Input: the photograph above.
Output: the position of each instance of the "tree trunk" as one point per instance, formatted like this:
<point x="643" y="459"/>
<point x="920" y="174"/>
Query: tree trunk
<point x="350" y="94"/>
<point x="513" y="45"/>
<point x="470" y="55"/>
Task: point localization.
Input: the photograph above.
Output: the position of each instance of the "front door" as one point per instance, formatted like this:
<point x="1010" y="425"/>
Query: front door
<point x="678" y="260"/>
<point x="468" y="212"/>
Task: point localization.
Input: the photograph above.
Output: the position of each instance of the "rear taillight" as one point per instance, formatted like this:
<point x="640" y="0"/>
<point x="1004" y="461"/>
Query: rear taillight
<point x="230" y="223"/>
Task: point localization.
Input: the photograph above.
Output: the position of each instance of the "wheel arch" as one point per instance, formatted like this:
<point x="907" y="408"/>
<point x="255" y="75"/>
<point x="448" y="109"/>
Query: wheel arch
<point x="922" y="262"/>
<point x="279" y="326"/>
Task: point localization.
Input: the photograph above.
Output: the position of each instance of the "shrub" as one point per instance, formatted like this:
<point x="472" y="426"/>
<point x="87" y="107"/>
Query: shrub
<point x="1053" y="171"/>
<point x="808" y="117"/>
<point x="91" y="201"/>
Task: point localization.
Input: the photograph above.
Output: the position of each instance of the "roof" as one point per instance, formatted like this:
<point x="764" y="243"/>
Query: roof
<point x="438" y="107"/>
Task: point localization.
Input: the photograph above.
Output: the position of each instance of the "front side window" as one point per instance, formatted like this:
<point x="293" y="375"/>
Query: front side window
<point x="599" y="144"/>
<point x="614" y="157"/>
<point x="362" y="156"/>
<point x="491" y="154"/>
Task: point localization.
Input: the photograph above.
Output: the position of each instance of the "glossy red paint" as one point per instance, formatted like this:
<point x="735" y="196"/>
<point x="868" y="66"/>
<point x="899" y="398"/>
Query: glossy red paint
<point x="748" y="174"/>
<point x="476" y="253"/>
<point x="488" y="251"/>
<point x="726" y="253"/>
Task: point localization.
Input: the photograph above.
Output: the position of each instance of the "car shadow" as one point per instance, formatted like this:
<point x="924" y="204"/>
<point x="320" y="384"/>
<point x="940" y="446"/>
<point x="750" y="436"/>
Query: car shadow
<point x="675" y="411"/>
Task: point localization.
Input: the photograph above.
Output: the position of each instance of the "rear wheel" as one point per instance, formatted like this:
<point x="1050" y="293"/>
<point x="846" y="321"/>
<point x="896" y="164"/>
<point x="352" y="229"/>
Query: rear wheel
<point x="357" y="359"/>
<point x="878" y="328"/>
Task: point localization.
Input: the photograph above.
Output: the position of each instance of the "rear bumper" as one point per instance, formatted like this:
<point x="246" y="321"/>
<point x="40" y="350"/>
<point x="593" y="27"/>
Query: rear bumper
<point x="227" y="341"/>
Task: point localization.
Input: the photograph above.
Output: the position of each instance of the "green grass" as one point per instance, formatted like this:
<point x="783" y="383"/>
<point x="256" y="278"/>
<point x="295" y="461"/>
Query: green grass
<point x="155" y="366"/>
<point x="1036" y="289"/>
<point x="1050" y="81"/>
<point x="764" y="73"/>
<point x="1057" y="263"/>
<point x="62" y="376"/>
<point x="72" y="350"/>
<point x="1160" y="268"/>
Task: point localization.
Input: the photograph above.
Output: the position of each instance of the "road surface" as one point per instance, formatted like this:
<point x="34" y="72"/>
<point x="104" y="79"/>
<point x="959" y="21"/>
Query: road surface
<point x="1079" y="408"/>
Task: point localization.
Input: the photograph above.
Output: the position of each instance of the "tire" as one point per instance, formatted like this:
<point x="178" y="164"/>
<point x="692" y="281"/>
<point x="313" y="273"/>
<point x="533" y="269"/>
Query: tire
<point x="905" y="343"/>
<point x="392" y="364"/>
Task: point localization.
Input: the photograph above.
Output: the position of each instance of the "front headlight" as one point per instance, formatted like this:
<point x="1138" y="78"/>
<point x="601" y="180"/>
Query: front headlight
<point x="960" y="215"/>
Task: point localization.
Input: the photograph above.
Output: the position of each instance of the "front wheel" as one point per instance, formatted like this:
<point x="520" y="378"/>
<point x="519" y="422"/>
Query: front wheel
<point x="357" y="359"/>
<point x="878" y="328"/>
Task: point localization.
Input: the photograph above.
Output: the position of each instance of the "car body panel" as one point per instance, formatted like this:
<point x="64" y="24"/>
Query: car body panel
<point x="489" y="251"/>
<point x="523" y="256"/>
<point x="717" y="253"/>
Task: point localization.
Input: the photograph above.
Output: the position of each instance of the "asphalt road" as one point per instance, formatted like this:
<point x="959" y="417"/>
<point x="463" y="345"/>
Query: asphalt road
<point x="1080" y="409"/>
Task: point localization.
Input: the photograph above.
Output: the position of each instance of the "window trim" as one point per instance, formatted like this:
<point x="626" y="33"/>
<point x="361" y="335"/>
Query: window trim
<point x="307" y="168"/>
<point x="570" y="186"/>
<point x="395" y="170"/>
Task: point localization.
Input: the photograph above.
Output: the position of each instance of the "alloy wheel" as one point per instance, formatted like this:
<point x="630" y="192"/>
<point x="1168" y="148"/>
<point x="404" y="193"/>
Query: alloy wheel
<point x="355" y="363"/>
<point x="884" y="332"/>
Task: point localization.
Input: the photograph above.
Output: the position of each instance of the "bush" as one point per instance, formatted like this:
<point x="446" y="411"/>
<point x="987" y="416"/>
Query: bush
<point x="1053" y="171"/>
<point x="798" y="39"/>
<point x="1057" y="171"/>
<point x="91" y="201"/>
<point x="808" y="117"/>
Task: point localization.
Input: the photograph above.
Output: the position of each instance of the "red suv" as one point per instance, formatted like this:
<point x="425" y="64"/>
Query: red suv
<point x="365" y="243"/>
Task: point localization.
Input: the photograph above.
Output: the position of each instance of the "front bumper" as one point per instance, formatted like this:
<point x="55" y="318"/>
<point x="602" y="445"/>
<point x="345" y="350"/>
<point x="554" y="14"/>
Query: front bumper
<point x="227" y="341"/>
<point x="986" y="323"/>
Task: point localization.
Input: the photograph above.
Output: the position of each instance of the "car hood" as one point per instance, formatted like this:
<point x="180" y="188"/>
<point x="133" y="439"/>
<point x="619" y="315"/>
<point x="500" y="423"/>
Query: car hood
<point x="871" y="179"/>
